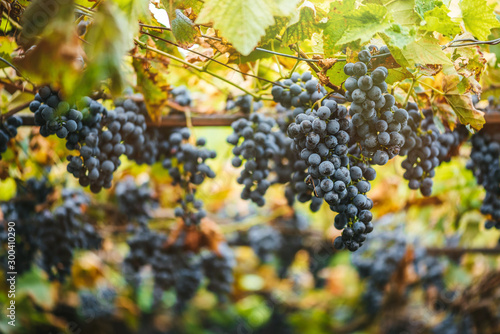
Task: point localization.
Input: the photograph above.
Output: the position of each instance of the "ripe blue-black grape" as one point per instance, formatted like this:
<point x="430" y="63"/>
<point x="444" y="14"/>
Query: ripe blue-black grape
<point x="8" y="130"/>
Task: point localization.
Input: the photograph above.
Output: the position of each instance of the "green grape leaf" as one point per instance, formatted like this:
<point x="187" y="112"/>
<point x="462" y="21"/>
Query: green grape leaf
<point x="478" y="18"/>
<point x="244" y="22"/>
<point x="438" y="20"/>
<point x="184" y="29"/>
<point x="400" y="35"/>
<point x="336" y="25"/>
<point x="172" y="5"/>
<point x="336" y="73"/>
<point x="364" y="23"/>
<point x="422" y="52"/>
<point x="495" y="34"/>
<point x="423" y="6"/>
<point x="135" y="10"/>
<point x="274" y="30"/>
<point x="7" y="47"/>
<point x="402" y="11"/>
<point x="303" y="29"/>
<point x="461" y="104"/>
<point x="110" y="37"/>
<point x="426" y="51"/>
<point x="397" y="75"/>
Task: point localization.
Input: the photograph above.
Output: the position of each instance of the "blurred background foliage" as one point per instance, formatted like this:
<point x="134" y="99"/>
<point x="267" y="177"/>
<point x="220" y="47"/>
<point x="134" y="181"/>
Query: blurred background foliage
<point x="260" y="301"/>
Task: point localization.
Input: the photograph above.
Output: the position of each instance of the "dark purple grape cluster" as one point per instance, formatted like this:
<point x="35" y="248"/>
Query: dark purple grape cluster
<point x="22" y="210"/>
<point x="385" y="253"/>
<point x="176" y="268"/>
<point x="218" y="269"/>
<point x="293" y="240"/>
<point x="63" y="231"/>
<point x="8" y="130"/>
<point x="485" y="165"/>
<point x="255" y="147"/>
<point x="426" y="148"/>
<point x="423" y="157"/>
<point x="190" y="209"/>
<point x="181" y="96"/>
<point x="265" y="241"/>
<point x="321" y="138"/>
<point x="143" y="245"/>
<point x="119" y="132"/>
<point x="377" y="121"/>
<point x="56" y="116"/>
<point x="97" y="305"/>
<point x="377" y="263"/>
<point x="245" y="103"/>
<point x="135" y="202"/>
<point x="186" y="165"/>
<point x="280" y="241"/>
<point x="300" y="91"/>
<point x="100" y="136"/>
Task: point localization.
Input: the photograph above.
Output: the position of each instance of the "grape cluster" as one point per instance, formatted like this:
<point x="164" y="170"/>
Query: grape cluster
<point x="423" y="157"/>
<point x="120" y="132"/>
<point x="176" y="268"/>
<point x="377" y="121"/>
<point x="186" y="165"/>
<point x="265" y="241"/>
<point x="218" y="269"/>
<point x="377" y="262"/>
<point x="150" y="151"/>
<point x="292" y="241"/>
<point x="300" y="91"/>
<point x="284" y="160"/>
<point x="97" y="306"/>
<point x="245" y="103"/>
<point x="61" y="232"/>
<point x="385" y="253"/>
<point x="143" y="245"/>
<point x="426" y="148"/>
<point x="485" y="165"/>
<point x="8" y="130"/>
<point x="22" y="210"/>
<point x="321" y="137"/>
<point x="55" y="116"/>
<point x="282" y="240"/>
<point x="134" y="201"/>
<point x="181" y="96"/>
<point x="430" y="269"/>
<point x="255" y="146"/>
<point x="100" y="136"/>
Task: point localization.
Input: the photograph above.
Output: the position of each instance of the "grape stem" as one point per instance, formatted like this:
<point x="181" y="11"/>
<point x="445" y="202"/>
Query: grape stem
<point x="413" y="81"/>
<point x="14" y="111"/>
<point x="11" y="21"/>
<point x="429" y="86"/>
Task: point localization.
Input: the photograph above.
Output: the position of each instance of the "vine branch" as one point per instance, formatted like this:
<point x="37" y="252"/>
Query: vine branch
<point x="210" y="59"/>
<point x="199" y="69"/>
